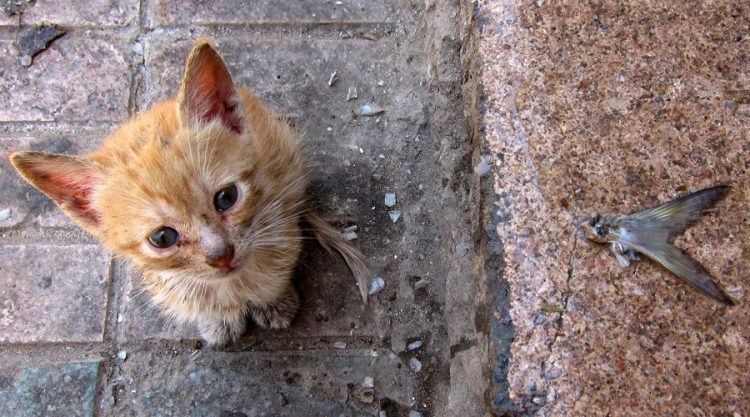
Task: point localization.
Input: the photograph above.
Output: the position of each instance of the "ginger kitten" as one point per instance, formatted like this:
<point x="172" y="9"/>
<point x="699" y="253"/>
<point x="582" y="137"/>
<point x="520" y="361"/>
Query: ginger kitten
<point x="205" y="194"/>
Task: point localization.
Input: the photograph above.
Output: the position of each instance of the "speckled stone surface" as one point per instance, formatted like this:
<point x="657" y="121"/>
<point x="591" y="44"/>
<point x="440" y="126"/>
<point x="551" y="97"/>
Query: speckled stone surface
<point x="616" y="108"/>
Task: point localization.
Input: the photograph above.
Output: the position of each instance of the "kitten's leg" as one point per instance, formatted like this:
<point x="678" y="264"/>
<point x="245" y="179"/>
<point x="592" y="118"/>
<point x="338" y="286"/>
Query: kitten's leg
<point x="219" y="331"/>
<point x="278" y="315"/>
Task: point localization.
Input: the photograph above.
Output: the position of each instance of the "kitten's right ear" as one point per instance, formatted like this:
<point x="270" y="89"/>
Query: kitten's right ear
<point x="68" y="180"/>
<point x="207" y="92"/>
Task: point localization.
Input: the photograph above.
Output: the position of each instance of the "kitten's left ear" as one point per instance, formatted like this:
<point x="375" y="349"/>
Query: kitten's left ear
<point x="207" y="91"/>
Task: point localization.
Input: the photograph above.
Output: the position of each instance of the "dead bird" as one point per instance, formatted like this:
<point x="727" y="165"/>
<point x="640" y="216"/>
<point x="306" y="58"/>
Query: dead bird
<point x="650" y="232"/>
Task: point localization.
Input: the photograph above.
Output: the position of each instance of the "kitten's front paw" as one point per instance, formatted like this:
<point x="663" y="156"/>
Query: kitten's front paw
<point x="218" y="332"/>
<point x="278" y="315"/>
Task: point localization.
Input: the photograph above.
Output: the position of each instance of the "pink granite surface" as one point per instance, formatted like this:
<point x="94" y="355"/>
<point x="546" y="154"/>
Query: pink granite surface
<point x="610" y="108"/>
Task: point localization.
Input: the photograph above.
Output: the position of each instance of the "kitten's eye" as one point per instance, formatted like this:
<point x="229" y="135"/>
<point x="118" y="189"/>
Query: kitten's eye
<point x="225" y="198"/>
<point x="164" y="237"/>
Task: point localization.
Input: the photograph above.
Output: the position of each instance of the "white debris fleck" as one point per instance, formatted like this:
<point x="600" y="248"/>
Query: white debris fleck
<point x="350" y="235"/>
<point x="414" y="345"/>
<point x="339" y="345"/>
<point x="120" y="318"/>
<point x="122" y="355"/>
<point x="349" y="229"/>
<point x="371" y="109"/>
<point x="390" y="199"/>
<point x="376" y="285"/>
<point x="422" y="283"/>
<point x="483" y="167"/>
<point x="137" y="48"/>
<point x="351" y="94"/>
<point x="413" y="413"/>
<point x="382" y="414"/>
<point x="329" y="129"/>
<point x="415" y="364"/>
<point x="4" y="214"/>
<point x="333" y="79"/>
<point x="381" y="156"/>
<point x="394" y="215"/>
<point x="381" y="83"/>
<point x="369" y="382"/>
<point x="361" y="150"/>
<point x="339" y="2"/>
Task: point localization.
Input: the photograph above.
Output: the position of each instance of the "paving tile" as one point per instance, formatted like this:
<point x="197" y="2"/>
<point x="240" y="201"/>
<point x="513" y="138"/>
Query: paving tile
<point x="165" y="12"/>
<point x="53" y="293"/>
<point x="9" y="20"/>
<point x="21" y="199"/>
<point x="197" y="383"/>
<point x="84" y="13"/>
<point x="76" y="79"/>
<point x="61" y="390"/>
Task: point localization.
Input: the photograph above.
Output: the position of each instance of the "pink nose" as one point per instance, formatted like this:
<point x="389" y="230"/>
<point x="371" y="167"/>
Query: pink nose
<point x="222" y="259"/>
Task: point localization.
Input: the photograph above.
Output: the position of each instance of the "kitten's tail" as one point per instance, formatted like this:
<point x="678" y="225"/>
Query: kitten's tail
<point x="331" y="239"/>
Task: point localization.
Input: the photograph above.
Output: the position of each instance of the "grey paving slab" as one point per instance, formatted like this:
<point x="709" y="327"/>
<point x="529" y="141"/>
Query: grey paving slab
<point x="6" y="20"/>
<point x="23" y="202"/>
<point x="167" y="13"/>
<point x="58" y="390"/>
<point x="199" y="383"/>
<point x="85" y="13"/>
<point x="78" y="78"/>
<point x="52" y="293"/>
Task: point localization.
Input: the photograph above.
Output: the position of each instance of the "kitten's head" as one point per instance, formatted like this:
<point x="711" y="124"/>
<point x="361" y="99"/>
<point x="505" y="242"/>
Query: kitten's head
<point x="174" y="189"/>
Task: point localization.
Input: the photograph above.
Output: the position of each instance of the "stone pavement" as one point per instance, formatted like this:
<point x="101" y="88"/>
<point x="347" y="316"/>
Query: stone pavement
<point x="76" y="335"/>
<point x="506" y="123"/>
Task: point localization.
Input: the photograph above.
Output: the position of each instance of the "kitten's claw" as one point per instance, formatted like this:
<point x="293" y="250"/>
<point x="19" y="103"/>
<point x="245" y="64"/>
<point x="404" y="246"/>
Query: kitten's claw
<point x="278" y="315"/>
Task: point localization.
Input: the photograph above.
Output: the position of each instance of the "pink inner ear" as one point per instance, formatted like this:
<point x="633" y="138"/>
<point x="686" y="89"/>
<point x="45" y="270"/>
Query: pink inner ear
<point x="207" y="89"/>
<point x="224" y="110"/>
<point x="73" y="190"/>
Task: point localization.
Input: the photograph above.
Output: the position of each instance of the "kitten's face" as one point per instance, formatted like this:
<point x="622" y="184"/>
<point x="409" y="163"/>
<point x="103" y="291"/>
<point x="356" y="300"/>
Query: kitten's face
<point x="181" y="190"/>
<point x="185" y="202"/>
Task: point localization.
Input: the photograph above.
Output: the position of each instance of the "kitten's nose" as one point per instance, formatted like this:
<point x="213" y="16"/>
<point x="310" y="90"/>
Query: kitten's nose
<point x="222" y="257"/>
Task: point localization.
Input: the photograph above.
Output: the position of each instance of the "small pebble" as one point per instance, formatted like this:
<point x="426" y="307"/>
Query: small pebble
<point x="369" y="382"/>
<point x="349" y="229"/>
<point x="390" y="199"/>
<point x="339" y="2"/>
<point x="137" y="48"/>
<point x="376" y="285"/>
<point x="350" y="235"/>
<point x="370" y="109"/>
<point x="26" y="61"/>
<point x="382" y="414"/>
<point x="120" y="318"/>
<point x="4" y="214"/>
<point x="422" y="283"/>
<point x="381" y="83"/>
<point x="339" y="345"/>
<point x="351" y="94"/>
<point x="413" y="413"/>
<point x="394" y="215"/>
<point x="122" y="355"/>
<point x="414" y="345"/>
<point x="415" y="364"/>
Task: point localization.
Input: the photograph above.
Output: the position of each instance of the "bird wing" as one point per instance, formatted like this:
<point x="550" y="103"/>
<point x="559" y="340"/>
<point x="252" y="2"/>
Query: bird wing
<point x="677" y="215"/>
<point x="679" y="263"/>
